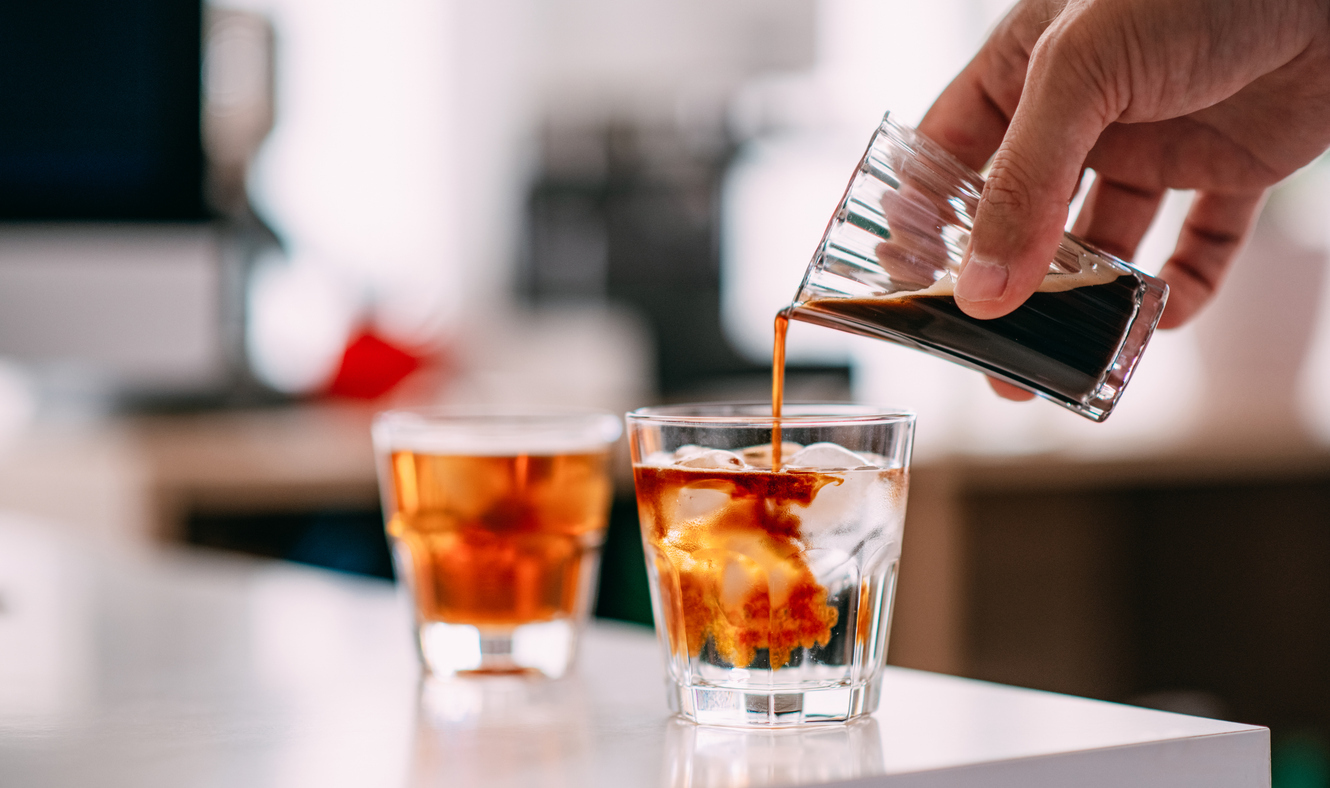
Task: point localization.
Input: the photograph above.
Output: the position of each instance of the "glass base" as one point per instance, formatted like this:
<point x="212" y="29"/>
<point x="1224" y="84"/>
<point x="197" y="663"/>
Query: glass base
<point x="545" y="648"/>
<point x="751" y="708"/>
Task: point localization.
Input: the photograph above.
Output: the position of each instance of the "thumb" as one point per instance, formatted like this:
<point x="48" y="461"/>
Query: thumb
<point x="1021" y="216"/>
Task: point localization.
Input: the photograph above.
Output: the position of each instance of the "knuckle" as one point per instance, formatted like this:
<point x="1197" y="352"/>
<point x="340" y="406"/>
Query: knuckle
<point x="1200" y="286"/>
<point x="1221" y="240"/>
<point x="1079" y="56"/>
<point x="1009" y="183"/>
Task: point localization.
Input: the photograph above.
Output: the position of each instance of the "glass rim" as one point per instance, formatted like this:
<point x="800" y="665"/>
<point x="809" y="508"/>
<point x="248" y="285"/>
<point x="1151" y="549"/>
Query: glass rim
<point x="508" y="427"/>
<point x="922" y="150"/>
<point x="750" y="414"/>
<point x="445" y="413"/>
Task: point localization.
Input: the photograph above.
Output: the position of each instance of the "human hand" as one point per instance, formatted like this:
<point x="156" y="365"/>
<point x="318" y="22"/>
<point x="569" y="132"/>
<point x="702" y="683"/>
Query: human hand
<point x="1226" y="98"/>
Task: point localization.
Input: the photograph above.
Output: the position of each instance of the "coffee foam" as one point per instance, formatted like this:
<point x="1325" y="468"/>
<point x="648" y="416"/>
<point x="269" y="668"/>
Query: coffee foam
<point x="1054" y="282"/>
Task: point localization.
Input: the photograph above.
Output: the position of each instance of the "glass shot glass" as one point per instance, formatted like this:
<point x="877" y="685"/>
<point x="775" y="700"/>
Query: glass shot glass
<point x="496" y="521"/>
<point x="887" y="266"/>
<point x="772" y="588"/>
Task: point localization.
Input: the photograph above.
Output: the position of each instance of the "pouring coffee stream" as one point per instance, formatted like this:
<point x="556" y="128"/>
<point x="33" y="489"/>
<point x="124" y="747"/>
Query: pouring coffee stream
<point x="778" y="384"/>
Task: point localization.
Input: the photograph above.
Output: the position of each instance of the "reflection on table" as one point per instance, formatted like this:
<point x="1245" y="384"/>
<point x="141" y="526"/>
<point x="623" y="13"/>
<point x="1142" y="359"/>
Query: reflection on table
<point x="181" y="669"/>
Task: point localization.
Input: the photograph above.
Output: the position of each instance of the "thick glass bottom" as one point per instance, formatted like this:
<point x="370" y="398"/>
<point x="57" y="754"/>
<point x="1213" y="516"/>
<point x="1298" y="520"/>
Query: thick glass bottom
<point x="545" y="648"/>
<point x="707" y="705"/>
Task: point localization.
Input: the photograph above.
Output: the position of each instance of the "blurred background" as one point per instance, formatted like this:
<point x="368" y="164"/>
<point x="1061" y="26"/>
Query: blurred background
<point x="229" y="233"/>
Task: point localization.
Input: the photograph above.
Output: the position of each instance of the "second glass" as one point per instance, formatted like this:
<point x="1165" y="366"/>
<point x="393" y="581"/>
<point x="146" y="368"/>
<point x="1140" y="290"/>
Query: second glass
<point x="496" y="521"/>
<point x="772" y="583"/>
<point x="887" y="266"/>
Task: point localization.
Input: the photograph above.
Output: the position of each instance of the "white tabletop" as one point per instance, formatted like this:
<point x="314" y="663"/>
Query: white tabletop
<point x="187" y="669"/>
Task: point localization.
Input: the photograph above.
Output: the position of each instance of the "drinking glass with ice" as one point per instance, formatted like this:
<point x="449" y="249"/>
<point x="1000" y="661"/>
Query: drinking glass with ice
<point x="772" y="582"/>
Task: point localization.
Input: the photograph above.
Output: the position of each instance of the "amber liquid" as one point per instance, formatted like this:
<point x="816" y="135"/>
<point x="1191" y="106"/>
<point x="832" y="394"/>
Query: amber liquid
<point x="737" y="579"/>
<point x="778" y="384"/>
<point x="498" y="541"/>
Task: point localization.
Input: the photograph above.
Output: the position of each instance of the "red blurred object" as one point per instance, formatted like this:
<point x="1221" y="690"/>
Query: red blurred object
<point x="371" y="367"/>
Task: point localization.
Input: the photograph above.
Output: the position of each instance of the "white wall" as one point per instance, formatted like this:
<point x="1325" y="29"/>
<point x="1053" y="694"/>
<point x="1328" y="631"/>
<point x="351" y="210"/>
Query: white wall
<point x="406" y="136"/>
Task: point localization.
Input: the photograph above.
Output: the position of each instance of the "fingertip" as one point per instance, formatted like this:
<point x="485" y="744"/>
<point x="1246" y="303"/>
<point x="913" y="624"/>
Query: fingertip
<point x="1008" y="391"/>
<point x="986" y="289"/>
<point x="1174" y="316"/>
<point x="1186" y="295"/>
<point x="981" y="281"/>
<point x="985" y="310"/>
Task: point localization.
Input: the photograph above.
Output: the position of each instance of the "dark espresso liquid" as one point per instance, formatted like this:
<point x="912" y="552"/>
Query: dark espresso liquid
<point x="1061" y="342"/>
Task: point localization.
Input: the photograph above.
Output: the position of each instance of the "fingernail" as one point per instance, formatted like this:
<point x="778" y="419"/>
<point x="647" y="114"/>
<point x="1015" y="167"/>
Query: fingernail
<point x="981" y="280"/>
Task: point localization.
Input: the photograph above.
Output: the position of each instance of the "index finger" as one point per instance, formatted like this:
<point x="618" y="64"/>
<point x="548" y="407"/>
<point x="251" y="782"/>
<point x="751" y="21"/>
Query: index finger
<point x="965" y="119"/>
<point x="971" y="116"/>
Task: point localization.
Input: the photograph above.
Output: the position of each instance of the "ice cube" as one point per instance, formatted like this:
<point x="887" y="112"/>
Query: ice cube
<point x="861" y="513"/>
<point x="826" y="456"/>
<point x="698" y="503"/>
<point x="718" y="459"/>
<point x="824" y="562"/>
<point x="759" y="456"/>
<point x="686" y="451"/>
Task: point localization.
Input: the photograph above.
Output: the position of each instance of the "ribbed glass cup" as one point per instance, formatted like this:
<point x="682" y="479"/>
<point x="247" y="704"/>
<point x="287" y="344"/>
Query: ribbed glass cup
<point x="887" y="265"/>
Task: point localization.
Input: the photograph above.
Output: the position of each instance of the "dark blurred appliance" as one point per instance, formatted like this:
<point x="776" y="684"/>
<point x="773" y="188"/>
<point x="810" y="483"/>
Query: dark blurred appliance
<point x="628" y="213"/>
<point x="116" y="277"/>
<point x="101" y="115"/>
